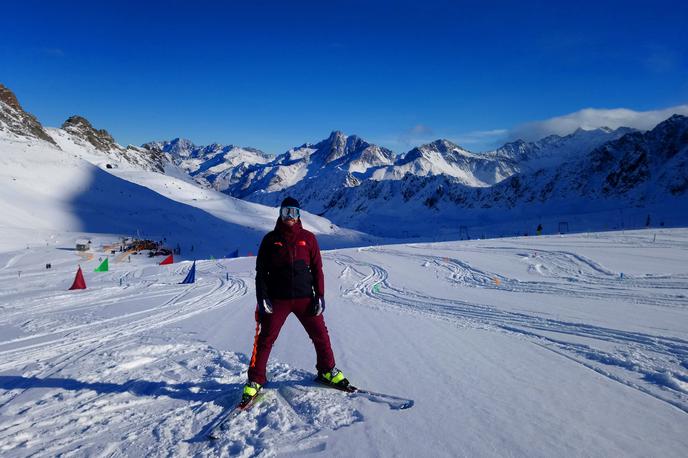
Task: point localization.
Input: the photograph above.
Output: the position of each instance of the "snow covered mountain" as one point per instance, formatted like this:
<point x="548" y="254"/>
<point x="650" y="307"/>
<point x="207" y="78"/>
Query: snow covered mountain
<point x="554" y="149"/>
<point x="312" y="172"/>
<point x="347" y="161"/>
<point x="443" y="157"/>
<point x="429" y="192"/>
<point x="78" y="179"/>
<point x="16" y="122"/>
<point x="50" y="189"/>
<point x="365" y="186"/>
<point x="78" y="130"/>
<point x="217" y="166"/>
<point x="647" y="172"/>
<point x="638" y="168"/>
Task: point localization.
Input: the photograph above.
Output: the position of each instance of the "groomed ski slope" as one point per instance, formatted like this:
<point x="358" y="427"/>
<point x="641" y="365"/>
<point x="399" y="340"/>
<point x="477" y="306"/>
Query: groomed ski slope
<point x="71" y="190"/>
<point x="533" y="346"/>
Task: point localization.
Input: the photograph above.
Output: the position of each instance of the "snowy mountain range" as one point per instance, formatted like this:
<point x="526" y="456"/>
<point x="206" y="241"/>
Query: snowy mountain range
<point x="316" y="173"/>
<point x="432" y="189"/>
<point x="215" y="165"/>
<point x="78" y="179"/>
<point x="556" y="149"/>
<point x="636" y="170"/>
<point x="440" y="185"/>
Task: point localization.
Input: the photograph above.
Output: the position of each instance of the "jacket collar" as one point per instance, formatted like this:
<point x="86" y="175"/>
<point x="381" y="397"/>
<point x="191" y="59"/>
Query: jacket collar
<point x="288" y="231"/>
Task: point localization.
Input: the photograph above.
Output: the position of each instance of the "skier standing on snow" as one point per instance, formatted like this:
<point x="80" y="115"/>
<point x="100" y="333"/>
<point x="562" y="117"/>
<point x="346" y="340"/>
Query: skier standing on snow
<point x="289" y="279"/>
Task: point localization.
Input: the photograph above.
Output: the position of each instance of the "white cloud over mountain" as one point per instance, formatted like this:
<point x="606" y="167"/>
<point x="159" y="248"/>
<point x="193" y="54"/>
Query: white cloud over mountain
<point x="592" y="118"/>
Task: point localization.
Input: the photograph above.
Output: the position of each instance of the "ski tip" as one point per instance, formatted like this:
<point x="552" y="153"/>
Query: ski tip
<point x="407" y="405"/>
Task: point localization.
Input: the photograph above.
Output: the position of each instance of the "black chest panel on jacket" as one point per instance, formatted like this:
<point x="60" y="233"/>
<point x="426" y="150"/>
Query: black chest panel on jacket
<point x="289" y="274"/>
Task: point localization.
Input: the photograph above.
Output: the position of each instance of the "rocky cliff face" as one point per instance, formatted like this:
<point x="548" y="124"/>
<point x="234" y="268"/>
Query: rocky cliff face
<point x="82" y="132"/>
<point x="100" y="139"/>
<point x="15" y="120"/>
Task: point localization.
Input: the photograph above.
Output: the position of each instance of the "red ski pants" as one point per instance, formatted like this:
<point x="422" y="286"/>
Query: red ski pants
<point x="268" y="328"/>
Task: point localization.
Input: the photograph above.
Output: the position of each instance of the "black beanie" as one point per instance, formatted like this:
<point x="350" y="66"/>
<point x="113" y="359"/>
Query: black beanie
<point x="290" y="202"/>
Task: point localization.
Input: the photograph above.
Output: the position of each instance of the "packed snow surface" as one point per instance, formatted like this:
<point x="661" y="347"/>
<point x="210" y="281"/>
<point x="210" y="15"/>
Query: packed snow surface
<point x="71" y="189"/>
<point x="532" y="346"/>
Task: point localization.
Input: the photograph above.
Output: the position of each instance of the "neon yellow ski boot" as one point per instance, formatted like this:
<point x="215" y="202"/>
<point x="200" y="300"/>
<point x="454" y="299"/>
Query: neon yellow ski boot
<point x="251" y="390"/>
<point x="333" y="377"/>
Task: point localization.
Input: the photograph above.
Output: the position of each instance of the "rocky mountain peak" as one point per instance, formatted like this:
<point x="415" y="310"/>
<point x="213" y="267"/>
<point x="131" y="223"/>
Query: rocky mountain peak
<point x="337" y="136"/>
<point x="676" y="121"/>
<point x="443" y="146"/>
<point x="446" y="149"/>
<point x="16" y="120"/>
<point x="82" y="128"/>
<point x="77" y="121"/>
<point x="670" y="136"/>
<point x="338" y="145"/>
<point x="181" y="146"/>
<point x="8" y="97"/>
<point x="79" y="130"/>
<point x="517" y="150"/>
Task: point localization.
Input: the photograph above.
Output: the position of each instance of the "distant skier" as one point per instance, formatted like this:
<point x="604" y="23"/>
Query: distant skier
<point x="538" y="231"/>
<point x="289" y="279"/>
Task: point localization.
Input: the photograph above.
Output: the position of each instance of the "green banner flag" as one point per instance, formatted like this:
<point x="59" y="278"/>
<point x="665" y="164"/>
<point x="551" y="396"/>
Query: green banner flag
<point x="103" y="267"/>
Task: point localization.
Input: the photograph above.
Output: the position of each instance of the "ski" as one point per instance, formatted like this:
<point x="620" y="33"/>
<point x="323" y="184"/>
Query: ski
<point x="394" y="402"/>
<point x="215" y="428"/>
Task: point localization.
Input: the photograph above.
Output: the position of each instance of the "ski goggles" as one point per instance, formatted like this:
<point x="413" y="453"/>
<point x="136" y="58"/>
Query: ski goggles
<point x="290" y="212"/>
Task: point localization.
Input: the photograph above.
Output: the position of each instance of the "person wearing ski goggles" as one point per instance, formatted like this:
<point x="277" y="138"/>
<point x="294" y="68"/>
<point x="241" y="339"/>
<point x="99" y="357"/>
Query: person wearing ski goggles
<point x="288" y="213"/>
<point x="289" y="279"/>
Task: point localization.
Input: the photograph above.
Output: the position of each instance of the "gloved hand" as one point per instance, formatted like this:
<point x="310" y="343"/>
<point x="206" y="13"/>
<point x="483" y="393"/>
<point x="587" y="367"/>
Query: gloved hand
<point x="317" y="305"/>
<point x="264" y="306"/>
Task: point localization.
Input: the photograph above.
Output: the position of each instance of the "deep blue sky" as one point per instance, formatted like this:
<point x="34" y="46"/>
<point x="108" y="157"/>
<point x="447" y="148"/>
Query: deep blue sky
<point x="276" y="74"/>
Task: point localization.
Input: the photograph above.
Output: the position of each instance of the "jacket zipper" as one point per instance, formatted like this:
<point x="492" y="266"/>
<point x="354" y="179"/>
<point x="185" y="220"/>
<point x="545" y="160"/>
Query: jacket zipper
<point x="291" y="265"/>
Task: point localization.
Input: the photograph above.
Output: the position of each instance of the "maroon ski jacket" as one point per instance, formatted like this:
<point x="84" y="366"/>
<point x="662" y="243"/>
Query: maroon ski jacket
<point x="289" y="265"/>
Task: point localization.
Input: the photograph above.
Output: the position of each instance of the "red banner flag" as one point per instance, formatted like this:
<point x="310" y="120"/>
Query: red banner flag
<point x="79" y="282"/>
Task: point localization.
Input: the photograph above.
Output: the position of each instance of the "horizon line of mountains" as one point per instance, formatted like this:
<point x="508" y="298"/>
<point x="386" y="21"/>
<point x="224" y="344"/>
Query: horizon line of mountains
<point x="365" y="186"/>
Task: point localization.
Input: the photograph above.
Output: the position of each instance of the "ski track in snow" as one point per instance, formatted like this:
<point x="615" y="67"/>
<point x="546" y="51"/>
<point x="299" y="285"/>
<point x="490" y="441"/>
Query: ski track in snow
<point x="569" y="274"/>
<point x="61" y="338"/>
<point x="45" y="359"/>
<point x="80" y="389"/>
<point x="654" y="364"/>
<point x="105" y="375"/>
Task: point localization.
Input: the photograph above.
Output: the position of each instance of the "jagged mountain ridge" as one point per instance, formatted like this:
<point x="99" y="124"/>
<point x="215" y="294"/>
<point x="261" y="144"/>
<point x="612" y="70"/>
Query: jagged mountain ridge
<point x="78" y="130"/>
<point x="16" y="121"/>
<point x="636" y="170"/>
<point x="555" y="149"/>
<point x="317" y="174"/>
<point x="353" y="182"/>
<point x="312" y="171"/>
<point x="443" y="157"/>
<point x="214" y="165"/>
